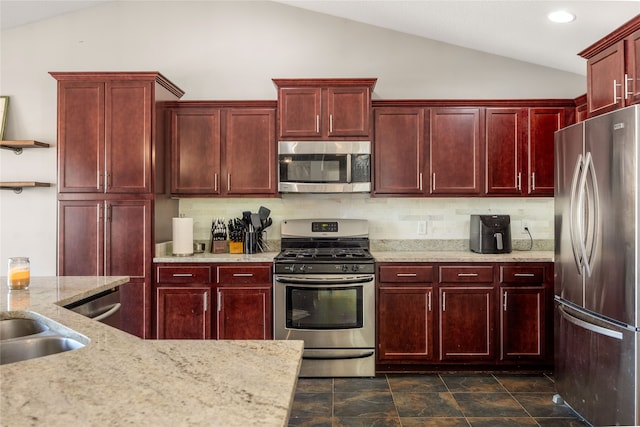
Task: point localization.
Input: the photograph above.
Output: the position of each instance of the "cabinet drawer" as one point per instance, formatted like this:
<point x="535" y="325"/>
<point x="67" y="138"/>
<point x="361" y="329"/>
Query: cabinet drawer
<point x="466" y="274"/>
<point x="406" y="273"/>
<point x="184" y="274"/>
<point x="521" y="274"/>
<point x="243" y="275"/>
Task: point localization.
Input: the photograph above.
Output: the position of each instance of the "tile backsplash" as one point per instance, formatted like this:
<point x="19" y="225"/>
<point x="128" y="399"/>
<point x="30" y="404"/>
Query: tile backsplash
<point x="443" y="220"/>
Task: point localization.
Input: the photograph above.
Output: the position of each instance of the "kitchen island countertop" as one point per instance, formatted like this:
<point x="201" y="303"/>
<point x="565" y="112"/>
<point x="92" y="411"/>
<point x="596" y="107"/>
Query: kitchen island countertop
<point x="119" y="379"/>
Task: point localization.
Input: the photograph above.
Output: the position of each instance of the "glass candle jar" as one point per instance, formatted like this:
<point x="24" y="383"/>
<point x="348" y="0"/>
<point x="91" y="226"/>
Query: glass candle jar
<point x="19" y="273"/>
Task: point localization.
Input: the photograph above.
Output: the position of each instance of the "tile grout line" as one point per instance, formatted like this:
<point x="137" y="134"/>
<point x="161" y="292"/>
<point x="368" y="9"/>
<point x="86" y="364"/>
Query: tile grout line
<point x="516" y="400"/>
<point x="464" y="415"/>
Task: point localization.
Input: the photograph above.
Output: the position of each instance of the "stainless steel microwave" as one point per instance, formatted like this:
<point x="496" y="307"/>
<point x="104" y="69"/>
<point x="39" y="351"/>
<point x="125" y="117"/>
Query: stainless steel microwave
<point x="324" y="166"/>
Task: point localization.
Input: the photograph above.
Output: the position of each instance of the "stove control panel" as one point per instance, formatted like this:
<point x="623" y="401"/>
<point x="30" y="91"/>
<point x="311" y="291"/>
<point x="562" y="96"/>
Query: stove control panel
<point x="319" y="268"/>
<point x="324" y="227"/>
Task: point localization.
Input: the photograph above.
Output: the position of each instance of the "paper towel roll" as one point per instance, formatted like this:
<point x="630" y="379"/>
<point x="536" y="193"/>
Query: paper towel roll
<point x="182" y="236"/>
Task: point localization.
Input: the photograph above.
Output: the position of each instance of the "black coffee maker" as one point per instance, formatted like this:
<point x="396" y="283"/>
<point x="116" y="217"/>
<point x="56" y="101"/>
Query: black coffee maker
<point x="490" y="234"/>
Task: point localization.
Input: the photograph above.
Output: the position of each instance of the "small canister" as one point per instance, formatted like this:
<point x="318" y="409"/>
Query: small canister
<point x="19" y="273"/>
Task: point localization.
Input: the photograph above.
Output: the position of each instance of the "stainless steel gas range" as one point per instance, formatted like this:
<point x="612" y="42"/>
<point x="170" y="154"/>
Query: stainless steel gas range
<point x="324" y="294"/>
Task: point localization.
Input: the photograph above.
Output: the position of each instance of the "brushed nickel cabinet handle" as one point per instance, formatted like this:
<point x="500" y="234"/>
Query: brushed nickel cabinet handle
<point x="242" y="274"/>
<point x="406" y="275"/>
<point x="467" y="274"/>
<point x="444" y="301"/>
<point x="524" y="275"/>
<point x="429" y="301"/>
<point x="533" y="181"/>
<point x="182" y="275"/>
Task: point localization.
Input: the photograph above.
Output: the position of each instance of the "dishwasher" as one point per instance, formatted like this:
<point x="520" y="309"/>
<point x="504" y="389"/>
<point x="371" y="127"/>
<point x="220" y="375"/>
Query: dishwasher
<point x="103" y="307"/>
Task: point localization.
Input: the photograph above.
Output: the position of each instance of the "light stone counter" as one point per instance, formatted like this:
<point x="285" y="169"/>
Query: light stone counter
<point x="218" y="258"/>
<point x="463" y="256"/>
<point x="119" y="379"/>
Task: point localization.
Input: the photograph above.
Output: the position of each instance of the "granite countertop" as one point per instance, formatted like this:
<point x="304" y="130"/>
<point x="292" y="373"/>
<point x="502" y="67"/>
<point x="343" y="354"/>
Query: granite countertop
<point x="380" y="256"/>
<point x="462" y="256"/>
<point x="119" y="379"/>
<point x="218" y="258"/>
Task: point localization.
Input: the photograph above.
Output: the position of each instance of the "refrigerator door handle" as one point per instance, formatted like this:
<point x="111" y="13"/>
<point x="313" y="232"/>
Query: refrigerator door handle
<point x="573" y="229"/>
<point x="594" y="220"/>
<point x="589" y="326"/>
<point x="580" y="219"/>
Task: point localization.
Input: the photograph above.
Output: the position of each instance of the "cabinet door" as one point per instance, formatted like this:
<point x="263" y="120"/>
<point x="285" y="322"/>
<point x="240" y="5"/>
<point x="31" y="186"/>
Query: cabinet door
<point x="466" y="323"/>
<point x="195" y="148"/>
<point x="244" y="313"/>
<point x="522" y="322"/>
<point x="128" y="136"/>
<point x="633" y="69"/>
<point x="399" y="150"/>
<point x="455" y="149"/>
<point x="349" y="110"/>
<point x="128" y="238"/>
<point x="81" y="238"/>
<point x="405" y="323"/>
<point x="543" y="122"/>
<point x="81" y="137"/>
<point x="505" y="133"/>
<point x="250" y="149"/>
<point x="605" y="80"/>
<point x="299" y="112"/>
<point x="183" y="312"/>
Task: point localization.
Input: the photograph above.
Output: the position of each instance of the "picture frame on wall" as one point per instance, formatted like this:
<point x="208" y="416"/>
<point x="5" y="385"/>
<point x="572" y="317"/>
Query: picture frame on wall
<point x="4" y="107"/>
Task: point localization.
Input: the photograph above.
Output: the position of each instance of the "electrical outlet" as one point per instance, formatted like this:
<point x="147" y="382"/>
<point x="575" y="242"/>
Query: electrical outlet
<point x="422" y="227"/>
<point x="525" y="227"/>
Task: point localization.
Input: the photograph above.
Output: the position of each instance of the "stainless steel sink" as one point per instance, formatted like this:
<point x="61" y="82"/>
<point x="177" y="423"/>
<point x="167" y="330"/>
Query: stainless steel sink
<point x="14" y="328"/>
<point x="38" y="346"/>
<point x="30" y="335"/>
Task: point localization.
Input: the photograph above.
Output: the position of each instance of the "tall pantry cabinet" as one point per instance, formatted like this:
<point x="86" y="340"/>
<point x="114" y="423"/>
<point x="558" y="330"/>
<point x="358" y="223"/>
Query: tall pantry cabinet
<point x="113" y="197"/>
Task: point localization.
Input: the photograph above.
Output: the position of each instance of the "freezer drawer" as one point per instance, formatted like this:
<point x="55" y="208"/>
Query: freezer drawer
<point x="596" y="367"/>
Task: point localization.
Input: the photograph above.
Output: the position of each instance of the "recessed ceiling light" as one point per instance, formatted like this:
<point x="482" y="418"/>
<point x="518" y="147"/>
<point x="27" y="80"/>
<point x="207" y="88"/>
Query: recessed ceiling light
<point x="561" y="17"/>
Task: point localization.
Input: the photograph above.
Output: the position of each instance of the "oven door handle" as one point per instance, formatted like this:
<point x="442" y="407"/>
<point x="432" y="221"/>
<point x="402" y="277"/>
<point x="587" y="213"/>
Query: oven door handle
<point x="336" y="354"/>
<point x="315" y="281"/>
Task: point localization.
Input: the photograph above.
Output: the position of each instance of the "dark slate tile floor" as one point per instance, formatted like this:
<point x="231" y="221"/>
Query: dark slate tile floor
<point x="430" y="400"/>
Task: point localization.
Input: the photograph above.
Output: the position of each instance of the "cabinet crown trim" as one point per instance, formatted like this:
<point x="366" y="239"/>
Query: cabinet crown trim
<point x="618" y="34"/>
<point x="370" y="82"/>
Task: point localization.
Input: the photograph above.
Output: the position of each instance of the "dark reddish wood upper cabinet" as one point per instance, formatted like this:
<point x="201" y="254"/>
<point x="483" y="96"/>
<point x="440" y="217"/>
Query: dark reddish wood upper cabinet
<point x="612" y="69"/>
<point x="195" y="151"/>
<point x="223" y="148"/>
<point x="633" y="67"/>
<point x="399" y="150"/>
<point x="543" y="123"/>
<point x="506" y="130"/>
<point x="455" y="151"/>
<point x="104" y="136"/>
<point x="250" y="151"/>
<point x="316" y="109"/>
<point x="605" y="80"/>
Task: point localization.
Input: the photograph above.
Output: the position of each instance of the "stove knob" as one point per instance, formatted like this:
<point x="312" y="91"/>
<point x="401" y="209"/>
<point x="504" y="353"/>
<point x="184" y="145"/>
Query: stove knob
<point x="345" y="267"/>
<point x="303" y="268"/>
<point x="355" y="267"/>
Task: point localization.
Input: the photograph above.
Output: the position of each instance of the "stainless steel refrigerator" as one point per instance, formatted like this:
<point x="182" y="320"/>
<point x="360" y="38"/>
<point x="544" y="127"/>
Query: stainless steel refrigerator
<point x="596" y="267"/>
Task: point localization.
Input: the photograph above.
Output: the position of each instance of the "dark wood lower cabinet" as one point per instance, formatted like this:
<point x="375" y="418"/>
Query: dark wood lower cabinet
<point x="183" y="312"/>
<point x="439" y="316"/>
<point x="209" y="301"/>
<point x="407" y="309"/>
<point x="244" y="313"/>
<point x="466" y="323"/>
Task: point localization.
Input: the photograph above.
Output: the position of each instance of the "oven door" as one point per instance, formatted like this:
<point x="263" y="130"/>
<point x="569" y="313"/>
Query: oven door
<point x="326" y="311"/>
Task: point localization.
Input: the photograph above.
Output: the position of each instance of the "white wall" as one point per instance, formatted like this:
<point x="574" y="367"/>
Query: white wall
<point x="218" y="50"/>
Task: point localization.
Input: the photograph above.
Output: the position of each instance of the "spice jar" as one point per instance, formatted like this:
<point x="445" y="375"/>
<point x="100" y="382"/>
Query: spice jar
<point x="19" y="273"/>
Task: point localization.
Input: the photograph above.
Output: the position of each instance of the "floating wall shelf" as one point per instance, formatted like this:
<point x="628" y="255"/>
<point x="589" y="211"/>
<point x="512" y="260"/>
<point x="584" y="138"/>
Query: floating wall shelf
<point x="17" y="186"/>
<point x="17" y="146"/>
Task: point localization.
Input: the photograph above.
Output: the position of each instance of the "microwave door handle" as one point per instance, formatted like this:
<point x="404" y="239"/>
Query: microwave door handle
<point x="348" y="168"/>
